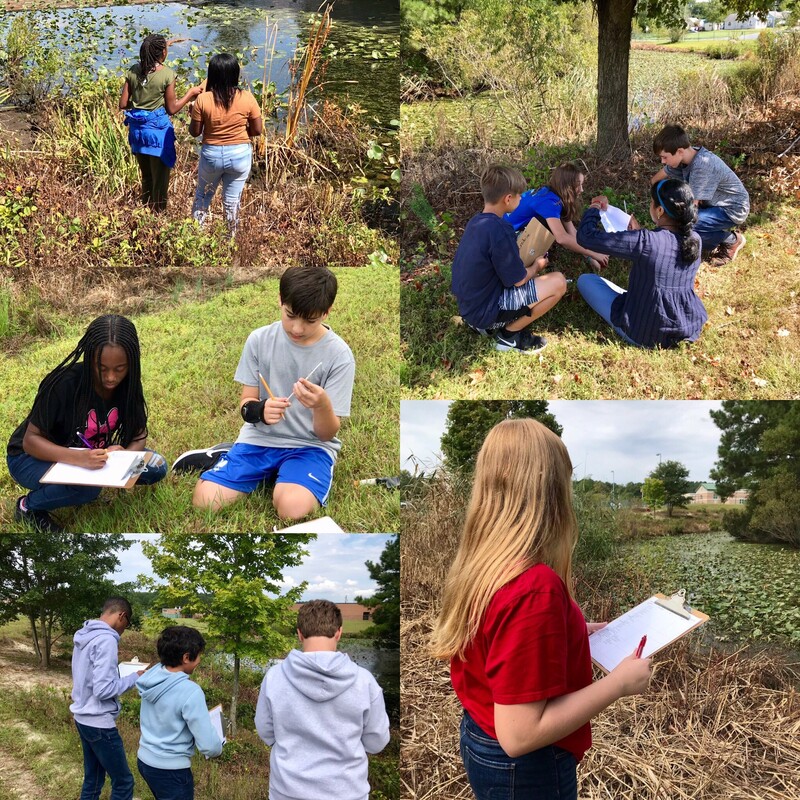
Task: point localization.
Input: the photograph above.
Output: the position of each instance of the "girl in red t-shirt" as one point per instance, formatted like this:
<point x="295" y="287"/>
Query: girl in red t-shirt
<point x="517" y="641"/>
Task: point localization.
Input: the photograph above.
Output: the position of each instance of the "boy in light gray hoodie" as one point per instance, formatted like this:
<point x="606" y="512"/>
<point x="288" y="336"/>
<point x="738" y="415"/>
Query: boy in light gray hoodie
<point x="321" y="714"/>
<point x="174" y="718"/>
<point x="95" y="694"/>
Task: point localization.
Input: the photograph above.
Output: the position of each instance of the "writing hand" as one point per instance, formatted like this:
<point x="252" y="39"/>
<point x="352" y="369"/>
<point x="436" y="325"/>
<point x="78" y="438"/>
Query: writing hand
<point x="92" y="459"/>
<point x="632" y="674"/>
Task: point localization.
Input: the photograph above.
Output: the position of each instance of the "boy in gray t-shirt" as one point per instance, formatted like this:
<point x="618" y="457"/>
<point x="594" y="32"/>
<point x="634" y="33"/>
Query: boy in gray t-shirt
<point x="297" y="382"/>
<point x="722" y="200"/>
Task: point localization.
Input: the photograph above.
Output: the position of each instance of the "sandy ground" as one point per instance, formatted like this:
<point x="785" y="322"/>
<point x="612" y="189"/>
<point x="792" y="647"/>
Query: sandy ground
<point x="18" y="670"/>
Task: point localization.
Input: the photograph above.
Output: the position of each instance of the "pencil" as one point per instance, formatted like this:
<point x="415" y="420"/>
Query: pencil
<point x="307" y="377"/>
<point x="269" y="391"/>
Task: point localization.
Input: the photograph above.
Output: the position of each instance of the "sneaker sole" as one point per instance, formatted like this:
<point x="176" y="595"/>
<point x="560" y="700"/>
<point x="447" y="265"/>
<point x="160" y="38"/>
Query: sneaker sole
<point x="739" y="248"/>
<point x="532" y="351"/>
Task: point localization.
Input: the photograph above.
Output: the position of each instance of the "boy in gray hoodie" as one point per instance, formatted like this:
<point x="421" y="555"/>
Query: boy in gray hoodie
<point x="321" y="714"/>
<point x="174" y="718"/>
<point x="95" y="694"/>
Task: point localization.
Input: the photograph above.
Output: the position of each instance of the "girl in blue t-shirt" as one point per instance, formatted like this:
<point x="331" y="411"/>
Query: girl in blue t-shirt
<point x="555" y="206"/>
<point x="89" y="405"/>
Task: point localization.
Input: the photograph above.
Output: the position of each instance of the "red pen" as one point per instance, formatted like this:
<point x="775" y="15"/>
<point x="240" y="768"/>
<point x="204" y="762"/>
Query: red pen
<point x="640" y="648"/>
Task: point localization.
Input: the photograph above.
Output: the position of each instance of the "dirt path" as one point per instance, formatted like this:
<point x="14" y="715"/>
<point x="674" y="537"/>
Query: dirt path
<point x="18" y="669"/>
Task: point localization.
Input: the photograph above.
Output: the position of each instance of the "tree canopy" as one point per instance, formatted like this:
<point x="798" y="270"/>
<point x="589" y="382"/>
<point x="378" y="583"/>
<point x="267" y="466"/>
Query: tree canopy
<point x="236" y="583"/>
<point x="673" y="475"/>
<point x="653" y="493"/>
<point x="468" y="423"/>
<point x="759" y="450"/>
<point x="56" y="581"/>
<point x="386" y="600"/>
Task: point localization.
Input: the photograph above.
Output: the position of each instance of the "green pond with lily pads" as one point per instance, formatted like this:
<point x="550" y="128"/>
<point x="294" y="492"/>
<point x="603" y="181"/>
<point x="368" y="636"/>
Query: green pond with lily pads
<point x="750" y="591"/>
<point x="362" y="51"/>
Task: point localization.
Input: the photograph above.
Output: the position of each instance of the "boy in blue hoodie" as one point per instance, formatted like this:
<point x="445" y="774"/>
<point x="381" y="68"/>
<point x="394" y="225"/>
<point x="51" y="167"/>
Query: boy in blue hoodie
<point x="174" y="718"/>
<point x="321" y="714"/>
<point x="95" y="695"/>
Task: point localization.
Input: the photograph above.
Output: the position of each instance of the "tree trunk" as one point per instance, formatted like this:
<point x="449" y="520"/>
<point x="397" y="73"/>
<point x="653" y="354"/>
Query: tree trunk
<point x="615" y="21"/>
<point x="35" y="638"/>
<point x="235" y="695"/>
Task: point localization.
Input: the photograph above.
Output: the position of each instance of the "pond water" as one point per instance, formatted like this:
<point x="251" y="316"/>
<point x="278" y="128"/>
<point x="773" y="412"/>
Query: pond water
<point x="383" y="664"/>
<point x="363" y="45"/>
<point x="751" y="591"/>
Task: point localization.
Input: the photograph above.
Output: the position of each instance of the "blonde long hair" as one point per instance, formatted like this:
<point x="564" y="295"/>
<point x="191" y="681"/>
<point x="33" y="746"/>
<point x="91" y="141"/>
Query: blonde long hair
<point x="520" y="514"/>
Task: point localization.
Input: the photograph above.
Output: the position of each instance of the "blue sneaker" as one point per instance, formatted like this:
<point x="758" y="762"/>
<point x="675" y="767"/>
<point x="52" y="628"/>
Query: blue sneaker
<point x="522" y="341"/>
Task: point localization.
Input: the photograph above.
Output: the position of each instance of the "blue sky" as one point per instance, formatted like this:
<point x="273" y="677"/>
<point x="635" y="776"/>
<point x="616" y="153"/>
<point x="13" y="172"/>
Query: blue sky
<point x="335" y="567"/>
<point x="623" y="436"/>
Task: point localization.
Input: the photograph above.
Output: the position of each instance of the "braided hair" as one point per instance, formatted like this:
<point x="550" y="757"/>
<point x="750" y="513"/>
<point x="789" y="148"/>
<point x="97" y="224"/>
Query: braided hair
<point x="223" y="79"/>
<point x="677" y="200"/>
<point x="150" y="53"/>
<point x="109" y="329"/>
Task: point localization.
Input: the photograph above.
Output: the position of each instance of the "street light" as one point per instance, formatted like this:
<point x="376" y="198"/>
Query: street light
<point x="659" y="459"/>
<point x="613" y="485"/>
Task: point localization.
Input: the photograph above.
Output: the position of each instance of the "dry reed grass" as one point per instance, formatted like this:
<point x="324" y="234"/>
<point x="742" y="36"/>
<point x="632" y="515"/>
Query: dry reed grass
<point x="713" y="726"/>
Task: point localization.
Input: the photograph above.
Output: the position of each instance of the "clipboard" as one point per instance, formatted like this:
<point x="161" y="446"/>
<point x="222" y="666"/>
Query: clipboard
<point x="534" y="242"/>
<point x="218" y="722"/>
<point x="122" y="475"/>
<point x="663" y="619"/>
<point x="129" y="667"/>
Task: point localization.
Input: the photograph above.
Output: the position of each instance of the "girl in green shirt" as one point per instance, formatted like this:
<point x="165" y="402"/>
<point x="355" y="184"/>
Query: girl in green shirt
<point x="148" y="100"/>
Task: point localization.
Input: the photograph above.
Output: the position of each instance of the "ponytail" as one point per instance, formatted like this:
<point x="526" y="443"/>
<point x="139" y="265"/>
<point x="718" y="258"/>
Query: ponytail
<point x="150" y="53"/>
<point x="677" y="200"/>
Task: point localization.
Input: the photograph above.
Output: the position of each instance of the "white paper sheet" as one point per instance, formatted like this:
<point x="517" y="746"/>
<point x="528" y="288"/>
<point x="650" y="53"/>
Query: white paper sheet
<point x="129" y="667"/>
<point x="320" y="525"/>
<point x="115" y="472"/>
<point x="216" y="721"/>
<point x="615" y="219"/>
<point x="622" y="636"/>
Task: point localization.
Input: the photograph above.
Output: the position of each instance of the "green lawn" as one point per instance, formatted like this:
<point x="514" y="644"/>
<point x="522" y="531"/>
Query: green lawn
<point x="189" y="354"/>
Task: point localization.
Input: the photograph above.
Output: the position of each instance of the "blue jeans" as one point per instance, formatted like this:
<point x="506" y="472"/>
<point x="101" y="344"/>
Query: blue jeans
<point x="549" y="773"/>
<point x="600" y="295"/>
<point x="229" y="163"/>
<point x="104" y="754"/>
<point x="714" y="227"/>
<point x="28" y="471"/>
<point x="168" y="784"/>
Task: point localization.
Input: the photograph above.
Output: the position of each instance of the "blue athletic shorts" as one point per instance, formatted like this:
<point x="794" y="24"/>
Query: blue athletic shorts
<point x="246" y="466"/>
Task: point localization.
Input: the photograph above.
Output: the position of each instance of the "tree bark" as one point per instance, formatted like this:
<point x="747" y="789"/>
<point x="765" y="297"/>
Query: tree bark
<point x="615" y="22"/>
<point x="235" y="693"/>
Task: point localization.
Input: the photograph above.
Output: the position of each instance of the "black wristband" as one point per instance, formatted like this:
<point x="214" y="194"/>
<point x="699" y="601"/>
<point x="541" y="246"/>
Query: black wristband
<point x="253" y="411"/>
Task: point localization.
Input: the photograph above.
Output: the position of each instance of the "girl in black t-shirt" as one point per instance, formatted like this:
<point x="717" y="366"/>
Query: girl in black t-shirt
<point x="92" y="400"/>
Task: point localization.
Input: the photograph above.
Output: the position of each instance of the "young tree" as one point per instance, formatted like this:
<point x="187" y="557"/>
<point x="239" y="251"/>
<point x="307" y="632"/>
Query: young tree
<point x="229" y="579"/>
<point x="653" y="493"/>
<point x="386" y="601"/>
<point x="758" y="451"/>
<point x="673" y="475"/>
<point x="468" y="422"/>
<point x="56" y="581"/>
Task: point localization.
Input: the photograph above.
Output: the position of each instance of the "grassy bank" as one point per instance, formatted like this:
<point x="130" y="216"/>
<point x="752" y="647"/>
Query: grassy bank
<point x="685" y="738"/>
<point x="189" y="353"/>
<point x="750" y="346"/>
<point x="36" y="732"/>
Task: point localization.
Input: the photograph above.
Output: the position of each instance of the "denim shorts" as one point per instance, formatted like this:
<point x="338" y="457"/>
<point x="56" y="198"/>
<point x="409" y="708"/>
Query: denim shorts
<point x="549" y="773"/>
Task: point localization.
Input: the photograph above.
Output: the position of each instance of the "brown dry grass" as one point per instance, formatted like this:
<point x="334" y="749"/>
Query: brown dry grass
<point x="713" y="726"/>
